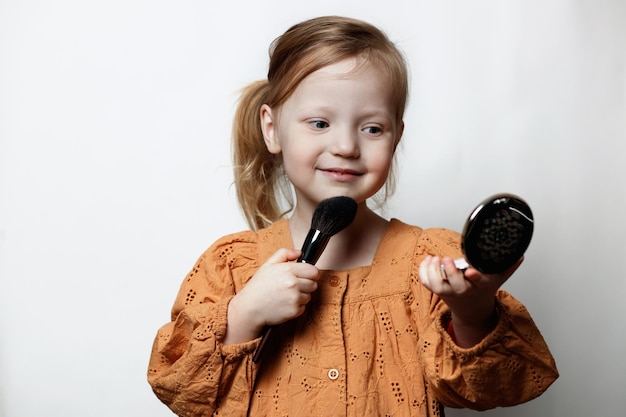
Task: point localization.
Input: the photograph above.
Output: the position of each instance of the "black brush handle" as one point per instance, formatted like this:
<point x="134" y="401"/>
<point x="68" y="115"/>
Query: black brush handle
<point x="263" y="345"/>
<point x="313" y="246"/>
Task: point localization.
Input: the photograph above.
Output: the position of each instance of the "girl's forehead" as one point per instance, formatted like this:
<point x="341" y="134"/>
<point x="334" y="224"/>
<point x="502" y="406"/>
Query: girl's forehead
<point x="346" y="68"/>
<point x="345" y="85"/>
<point x="359" y="78"/>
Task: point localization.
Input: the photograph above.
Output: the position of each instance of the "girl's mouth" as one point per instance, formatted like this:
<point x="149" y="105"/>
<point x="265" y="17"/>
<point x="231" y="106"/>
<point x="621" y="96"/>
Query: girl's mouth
<point x="341" y="175"/>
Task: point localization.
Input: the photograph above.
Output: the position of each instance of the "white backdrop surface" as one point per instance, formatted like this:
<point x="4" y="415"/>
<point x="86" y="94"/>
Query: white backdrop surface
<point x="115" y="174"/>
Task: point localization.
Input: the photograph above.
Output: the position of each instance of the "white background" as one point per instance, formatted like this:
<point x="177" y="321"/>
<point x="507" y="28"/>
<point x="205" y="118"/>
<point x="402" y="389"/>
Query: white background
<point x="115" y="174"/>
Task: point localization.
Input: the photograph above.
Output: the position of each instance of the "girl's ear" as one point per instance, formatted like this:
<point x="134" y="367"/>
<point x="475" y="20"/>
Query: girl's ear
<point x="268" y="127"/>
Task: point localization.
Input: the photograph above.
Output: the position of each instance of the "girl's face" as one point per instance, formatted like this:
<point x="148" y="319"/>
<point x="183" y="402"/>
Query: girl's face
<point x="337" y="132"/>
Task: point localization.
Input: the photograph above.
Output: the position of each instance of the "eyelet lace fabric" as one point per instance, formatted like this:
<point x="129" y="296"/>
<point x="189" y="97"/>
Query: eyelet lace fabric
<point x="372" y="341"/>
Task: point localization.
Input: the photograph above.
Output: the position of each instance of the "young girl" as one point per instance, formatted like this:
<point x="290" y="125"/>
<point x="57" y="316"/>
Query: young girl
<point x="375" y="328"/>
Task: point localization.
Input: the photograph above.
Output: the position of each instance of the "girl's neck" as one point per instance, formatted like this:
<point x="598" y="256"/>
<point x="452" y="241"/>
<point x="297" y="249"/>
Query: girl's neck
<point x="353" y="247"/>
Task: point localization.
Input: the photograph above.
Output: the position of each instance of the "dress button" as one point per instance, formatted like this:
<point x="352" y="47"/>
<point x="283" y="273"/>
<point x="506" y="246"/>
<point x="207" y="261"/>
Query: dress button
<point x="333" y="281"/>
<point x="333" y="374"/>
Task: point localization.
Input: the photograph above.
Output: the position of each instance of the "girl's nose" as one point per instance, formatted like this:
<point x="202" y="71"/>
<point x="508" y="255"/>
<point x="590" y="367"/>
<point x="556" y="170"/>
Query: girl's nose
<point x="346" y="144"/>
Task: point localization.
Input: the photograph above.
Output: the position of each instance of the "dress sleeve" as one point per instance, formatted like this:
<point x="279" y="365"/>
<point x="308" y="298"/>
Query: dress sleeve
<point x="190" y="369"/>
<point x="509" y="366"/>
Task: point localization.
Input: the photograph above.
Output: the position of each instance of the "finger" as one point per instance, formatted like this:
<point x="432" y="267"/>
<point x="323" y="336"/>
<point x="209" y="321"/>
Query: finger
<point x="307" y="285"/>
<point x="305" y="298"/>
<point x="283" y="255"/>
<point x="304" y="271"/>
<point x="423" y="271"/>
<point x="446" y="267"/>
<point x="437" y="278"/>
<point x="433" y="276"/>
<point x="454" y="276"/>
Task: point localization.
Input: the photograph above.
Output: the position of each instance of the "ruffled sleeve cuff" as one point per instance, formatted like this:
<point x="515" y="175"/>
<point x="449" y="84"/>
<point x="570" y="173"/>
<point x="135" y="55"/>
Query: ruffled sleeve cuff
<point x="237" y="351"/>
<point x="494" y="337"/>
<point x="232" y="352"/>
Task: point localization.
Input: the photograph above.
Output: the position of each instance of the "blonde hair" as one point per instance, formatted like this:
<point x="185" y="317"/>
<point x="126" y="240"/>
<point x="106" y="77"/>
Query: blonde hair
<point x="263" y="191"/>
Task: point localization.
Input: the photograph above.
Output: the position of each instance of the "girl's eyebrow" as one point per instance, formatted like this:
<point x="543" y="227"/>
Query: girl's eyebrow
<point x="318" y="108"/>
<point x="324" y="108"/>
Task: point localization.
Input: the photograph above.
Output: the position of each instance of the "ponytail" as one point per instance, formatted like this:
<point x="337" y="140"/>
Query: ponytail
<point x="259" y="179"/>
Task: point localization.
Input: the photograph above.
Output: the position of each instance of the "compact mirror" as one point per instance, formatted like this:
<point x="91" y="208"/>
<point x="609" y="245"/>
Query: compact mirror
<point x="496" y="234"/>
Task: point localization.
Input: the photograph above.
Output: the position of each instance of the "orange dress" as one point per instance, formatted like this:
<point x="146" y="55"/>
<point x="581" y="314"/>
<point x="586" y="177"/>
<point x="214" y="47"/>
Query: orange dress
<point x="373" y="341"/>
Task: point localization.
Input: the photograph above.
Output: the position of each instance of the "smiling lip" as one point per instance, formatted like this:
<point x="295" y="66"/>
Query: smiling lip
<point x="343" y="175"/>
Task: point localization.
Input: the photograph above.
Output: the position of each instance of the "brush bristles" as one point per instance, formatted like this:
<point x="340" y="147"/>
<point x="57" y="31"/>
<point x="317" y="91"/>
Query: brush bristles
<point x="334" y="214"/>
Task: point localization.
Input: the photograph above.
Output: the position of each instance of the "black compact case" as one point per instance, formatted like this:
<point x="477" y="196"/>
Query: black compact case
<point x="497" y="233"/>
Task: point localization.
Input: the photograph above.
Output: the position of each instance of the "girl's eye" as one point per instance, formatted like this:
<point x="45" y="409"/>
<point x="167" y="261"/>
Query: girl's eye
<point x="318" y="124"/>
<point x="373" y="130"/>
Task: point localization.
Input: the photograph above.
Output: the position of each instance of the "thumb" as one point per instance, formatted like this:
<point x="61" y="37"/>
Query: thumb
<point x="283" y="255"/>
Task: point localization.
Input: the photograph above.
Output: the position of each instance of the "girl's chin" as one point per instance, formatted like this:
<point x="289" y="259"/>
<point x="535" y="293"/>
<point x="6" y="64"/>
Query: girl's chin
<point x="315" y="200"/>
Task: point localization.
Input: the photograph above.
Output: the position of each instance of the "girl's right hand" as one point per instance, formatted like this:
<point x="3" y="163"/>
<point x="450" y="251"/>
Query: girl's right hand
<point x="279" y="291"/>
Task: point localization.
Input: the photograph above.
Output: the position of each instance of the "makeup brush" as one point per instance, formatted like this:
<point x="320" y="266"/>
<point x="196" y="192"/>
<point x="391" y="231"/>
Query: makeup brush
<point x="331" y="216"/>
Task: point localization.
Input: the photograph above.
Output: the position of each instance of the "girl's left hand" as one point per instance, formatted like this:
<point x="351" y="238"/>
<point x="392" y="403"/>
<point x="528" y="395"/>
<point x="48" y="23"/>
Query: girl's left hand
<point x="469" y="294"/>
